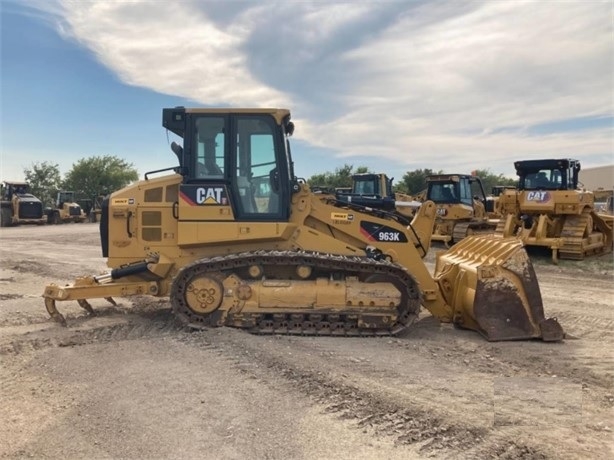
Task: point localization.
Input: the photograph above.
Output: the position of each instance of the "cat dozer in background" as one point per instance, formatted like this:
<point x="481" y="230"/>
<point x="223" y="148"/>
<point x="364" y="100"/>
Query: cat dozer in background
<point x="461" y="207"/>
<point x="548" y="209"/>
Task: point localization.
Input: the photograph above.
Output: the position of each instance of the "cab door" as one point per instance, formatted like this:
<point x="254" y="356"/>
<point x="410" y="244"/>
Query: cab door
<point x="233" y="191"/>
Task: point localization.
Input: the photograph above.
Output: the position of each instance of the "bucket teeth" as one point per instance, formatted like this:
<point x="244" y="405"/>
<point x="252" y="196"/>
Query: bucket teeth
<point x="111" y="301"/>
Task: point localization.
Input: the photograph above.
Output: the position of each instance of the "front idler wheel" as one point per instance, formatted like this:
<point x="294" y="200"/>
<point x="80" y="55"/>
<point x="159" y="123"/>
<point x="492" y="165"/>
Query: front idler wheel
<point x="196" y="298"/>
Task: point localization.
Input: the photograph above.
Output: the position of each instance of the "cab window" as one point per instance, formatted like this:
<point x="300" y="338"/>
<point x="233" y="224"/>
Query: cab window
<point x="465" y="192"/>
<point x="443" y="192"/>
<point x="257" y="179"/>
<point x="209" y="147"/>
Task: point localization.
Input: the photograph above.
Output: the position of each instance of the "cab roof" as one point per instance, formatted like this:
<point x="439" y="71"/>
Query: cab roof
<point x="547" y="164"/>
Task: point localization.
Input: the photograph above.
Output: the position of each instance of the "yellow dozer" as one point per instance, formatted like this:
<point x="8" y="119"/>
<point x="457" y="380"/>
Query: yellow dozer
<point x="549" y="210"/>
<point x="235" y="239"/>
<point x="461" y="207"/>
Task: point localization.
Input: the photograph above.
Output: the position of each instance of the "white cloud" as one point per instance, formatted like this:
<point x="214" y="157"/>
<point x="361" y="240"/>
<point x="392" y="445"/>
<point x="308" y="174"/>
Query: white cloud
<point x="169" y="47"/>
<point x="443" y="85"/>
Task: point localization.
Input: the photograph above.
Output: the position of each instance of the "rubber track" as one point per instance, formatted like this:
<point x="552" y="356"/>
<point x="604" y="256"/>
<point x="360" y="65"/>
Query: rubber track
<point x="315" y="322"/>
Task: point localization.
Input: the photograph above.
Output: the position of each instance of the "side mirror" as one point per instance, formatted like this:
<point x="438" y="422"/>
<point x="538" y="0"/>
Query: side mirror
<point x="178" y="150"/>
<point x="290" y="128"/>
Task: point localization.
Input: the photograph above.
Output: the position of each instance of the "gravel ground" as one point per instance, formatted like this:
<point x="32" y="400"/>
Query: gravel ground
<point x="131" y="383"/>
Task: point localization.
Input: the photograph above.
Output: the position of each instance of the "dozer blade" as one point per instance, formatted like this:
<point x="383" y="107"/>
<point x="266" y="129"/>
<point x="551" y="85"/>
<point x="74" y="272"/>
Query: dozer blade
<point x="491" y="285"/>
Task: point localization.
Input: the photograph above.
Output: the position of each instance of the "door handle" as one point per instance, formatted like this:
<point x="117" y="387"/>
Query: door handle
<point x="128" y="224"/>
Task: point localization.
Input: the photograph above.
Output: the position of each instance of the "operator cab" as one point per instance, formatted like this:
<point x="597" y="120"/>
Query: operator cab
<point x="236" y="157"/>
<point x="454" y="188"/>
<point x="369" y="190"/>
<point x="10" y="189"/>
<point x="547" y="174"/>
<point x="65" y="197"/>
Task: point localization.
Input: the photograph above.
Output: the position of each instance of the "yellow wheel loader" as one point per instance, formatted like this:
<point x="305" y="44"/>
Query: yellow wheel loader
<point x="66" y="210"/>
<point x="235" y="239"/>
<point x="461" y="207"/>
<point x="548" y="209"/>
<point x="18" y="206"/>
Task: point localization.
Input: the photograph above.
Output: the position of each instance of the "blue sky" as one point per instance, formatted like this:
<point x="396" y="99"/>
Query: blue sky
<point x="392" y="85"/>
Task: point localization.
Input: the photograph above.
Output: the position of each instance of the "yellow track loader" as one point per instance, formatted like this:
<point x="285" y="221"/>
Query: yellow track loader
<point x="235" y="239"/>
<point x="548" y="209"/>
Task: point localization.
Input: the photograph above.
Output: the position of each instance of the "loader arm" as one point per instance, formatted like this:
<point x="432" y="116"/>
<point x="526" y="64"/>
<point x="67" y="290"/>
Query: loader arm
<point x="486" y="284"/>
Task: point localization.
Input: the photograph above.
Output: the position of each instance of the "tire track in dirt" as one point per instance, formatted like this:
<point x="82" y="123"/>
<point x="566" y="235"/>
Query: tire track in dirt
<point x="360" y="398"/>
<point x="52" y="270"/>
<point x="87" y="330"/>
<point x="380" y="416"/>
<point x="585" y="326"/>
<point x="367" y="409"/>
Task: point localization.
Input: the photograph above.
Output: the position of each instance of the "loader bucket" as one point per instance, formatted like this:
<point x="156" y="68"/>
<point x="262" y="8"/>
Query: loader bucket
<point x="491" y="285"/>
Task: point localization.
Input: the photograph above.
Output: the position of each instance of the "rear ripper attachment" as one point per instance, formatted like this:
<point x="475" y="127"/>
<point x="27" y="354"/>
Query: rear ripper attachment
<point x="139" y="278"/>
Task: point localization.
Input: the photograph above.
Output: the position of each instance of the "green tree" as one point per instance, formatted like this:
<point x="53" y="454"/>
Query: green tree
<point x="489" y="179"/>
<point x="45" y="181"/>
<point x="413" y="182"/>
<point x="342" y="177"/>
<point x="99" y="175"/>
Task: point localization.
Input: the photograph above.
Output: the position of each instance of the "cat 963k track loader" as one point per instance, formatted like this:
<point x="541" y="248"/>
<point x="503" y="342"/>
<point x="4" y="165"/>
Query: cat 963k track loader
<point x="235" y="239"/>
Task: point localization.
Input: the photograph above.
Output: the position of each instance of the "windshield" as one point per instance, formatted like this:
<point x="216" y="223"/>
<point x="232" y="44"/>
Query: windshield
<point x="544" y="178"/>
<point x="443" y="192"/>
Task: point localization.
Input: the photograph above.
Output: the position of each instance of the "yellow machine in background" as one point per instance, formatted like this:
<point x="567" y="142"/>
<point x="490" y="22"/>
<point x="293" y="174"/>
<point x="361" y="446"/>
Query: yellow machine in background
<point x="604" y="205"/>
<point x="374" y="191"/>
<point x="461" y="207"/>
<point x="603" y="201"/>
<point x="492" y="204"/>
<point x="66" y="210"/>
<point x="235" y="239"/>
<point x="549" y="210"/>
<point x="19" y="206"/>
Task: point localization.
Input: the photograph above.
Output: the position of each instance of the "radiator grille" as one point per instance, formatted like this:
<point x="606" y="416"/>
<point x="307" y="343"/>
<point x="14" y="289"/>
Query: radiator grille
<point x="74" y="210"/>
<point x="30" y="210"/>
